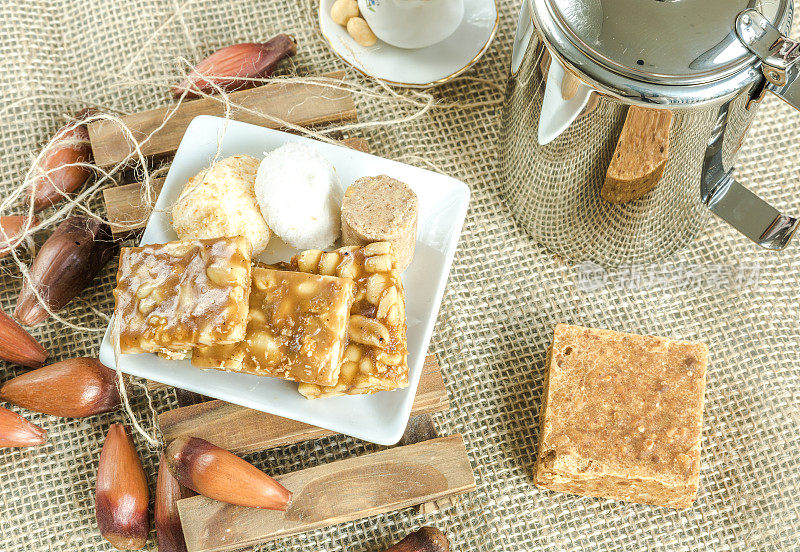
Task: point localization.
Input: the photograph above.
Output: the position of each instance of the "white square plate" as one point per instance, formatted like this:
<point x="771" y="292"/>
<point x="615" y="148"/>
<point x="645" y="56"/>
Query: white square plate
<point x="380" y="418"/>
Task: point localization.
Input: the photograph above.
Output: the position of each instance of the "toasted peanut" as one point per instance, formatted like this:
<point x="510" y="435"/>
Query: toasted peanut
<point x="307" y="261"/>
<point x="379" y="263"/>
<point x="367" y="331"/>
<point x="390" y="359"/>
<point x="352" y="352"/>
<point x="389" y="299"/>
<point x="306" y="288"/>
<point x="145" y="289"/>
<point x="377" y="248"/>
<point x="376" y="284"/>
<point x="348" y="372"/>
<point x="359" y="29"/>
<point x="307" y="349"/>
<point x="393" y="315"/>
<point x="327" y="263"/>
<point x="146" y="305"/>
<point x="182" y="248"/>
<point x="263" y="341"/>
<point x="360" y="293"/>
<point x="309" y="390"/>
<point x="225" y="275"/>
<point x="282" y="315"/>
<point x="348" y="268"/>
<point x="157" y="321"/>
<point x="365" y="365"/>
<point x="343" y="10"/>
<point x="236" y="295"/>
<point x="260" y="285"/>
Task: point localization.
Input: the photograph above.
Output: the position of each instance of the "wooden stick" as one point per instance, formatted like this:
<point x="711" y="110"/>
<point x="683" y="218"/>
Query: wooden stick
<point x="297" y="103"/>
<point x="188" y="398"/>
<point x="243" y="430"/>
<point x="421" y="428"/>
<point x="334" y="493"/>
<point x="125" y="205"/>
<point x="640" y="157"/>
<point x="356" y="143"/>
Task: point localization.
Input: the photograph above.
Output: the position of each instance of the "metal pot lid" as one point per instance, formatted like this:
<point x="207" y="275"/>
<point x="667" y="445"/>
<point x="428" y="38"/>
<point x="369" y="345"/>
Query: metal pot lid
<point x="669" y="42"/>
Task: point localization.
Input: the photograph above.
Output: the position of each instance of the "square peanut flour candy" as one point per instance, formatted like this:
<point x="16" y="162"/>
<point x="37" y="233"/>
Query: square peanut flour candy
<point x="174" y="296"/>
<point x="296" y="329"/>
<point x="376" y="356"/>
<point x="622" y="417"/>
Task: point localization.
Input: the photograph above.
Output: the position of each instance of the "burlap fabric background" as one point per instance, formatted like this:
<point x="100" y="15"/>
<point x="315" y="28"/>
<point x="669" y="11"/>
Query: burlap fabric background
<point x="505" y="295"/>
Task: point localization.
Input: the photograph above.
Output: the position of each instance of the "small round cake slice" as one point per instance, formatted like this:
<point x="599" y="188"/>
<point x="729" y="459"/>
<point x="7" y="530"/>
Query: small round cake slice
<point x="381" y="208"/>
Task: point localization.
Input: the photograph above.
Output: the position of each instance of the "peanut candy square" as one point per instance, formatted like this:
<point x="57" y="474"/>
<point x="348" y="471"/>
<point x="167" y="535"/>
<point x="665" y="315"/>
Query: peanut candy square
<point x="174" y="296"/>
<point x="376" y="356"/>
<point x="622" y="416"/>
<point x="296" y="329"/>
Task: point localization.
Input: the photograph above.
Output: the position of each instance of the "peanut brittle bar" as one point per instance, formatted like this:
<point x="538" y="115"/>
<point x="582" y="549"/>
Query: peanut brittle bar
<point x="622" y="416"/>
<point x="174" y="296"/>
<point x="296" y="329"/>
<point x="375" y="358"/>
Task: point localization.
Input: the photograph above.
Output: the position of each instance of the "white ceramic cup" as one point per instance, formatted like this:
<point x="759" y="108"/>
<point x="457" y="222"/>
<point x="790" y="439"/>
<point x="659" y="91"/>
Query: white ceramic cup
<point x="412" y="23"/>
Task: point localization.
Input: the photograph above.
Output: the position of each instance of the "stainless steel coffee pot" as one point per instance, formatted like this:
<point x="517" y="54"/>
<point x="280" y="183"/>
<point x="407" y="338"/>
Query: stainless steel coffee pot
<point x="623" y="119"/>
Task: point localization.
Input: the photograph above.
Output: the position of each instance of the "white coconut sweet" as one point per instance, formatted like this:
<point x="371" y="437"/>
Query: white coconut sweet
<point x="299" y="195"/>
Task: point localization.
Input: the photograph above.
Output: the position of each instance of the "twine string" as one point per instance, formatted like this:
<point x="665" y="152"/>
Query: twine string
<point x="409" y="105"/>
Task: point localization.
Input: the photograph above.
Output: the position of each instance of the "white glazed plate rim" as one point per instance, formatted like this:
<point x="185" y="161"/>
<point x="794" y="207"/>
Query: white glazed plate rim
<point x="380" y="418"/>
<point x="344" y="47"/>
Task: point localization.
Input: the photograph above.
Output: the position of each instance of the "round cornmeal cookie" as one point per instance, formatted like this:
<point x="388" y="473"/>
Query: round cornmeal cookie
<point x="380" y="208"/>
<point x="220" y="201"/>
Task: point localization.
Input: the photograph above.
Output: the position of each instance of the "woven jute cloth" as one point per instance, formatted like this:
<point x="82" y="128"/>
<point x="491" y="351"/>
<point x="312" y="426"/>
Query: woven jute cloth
<point x="504" y="296"/>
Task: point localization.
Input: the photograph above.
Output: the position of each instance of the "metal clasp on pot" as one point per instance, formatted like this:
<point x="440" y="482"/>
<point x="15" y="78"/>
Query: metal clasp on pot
<point x="722" y="193"/>
<point x="778" y="53"/>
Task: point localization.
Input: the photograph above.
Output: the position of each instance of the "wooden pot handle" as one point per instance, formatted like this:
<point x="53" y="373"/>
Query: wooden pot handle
<point x="640" y="157"/>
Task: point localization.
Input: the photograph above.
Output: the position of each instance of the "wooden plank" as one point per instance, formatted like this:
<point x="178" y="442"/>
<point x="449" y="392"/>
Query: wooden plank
<point x="243" y="430"/>
<point x="356" y="143"/>
<point x="297" y="103"/>
<point x="421" y="428"/>
<point x="334" y="493"/>
<point x="156" y="385"/>
<point x="188" y="398"/>
<point x="125" y="204"/>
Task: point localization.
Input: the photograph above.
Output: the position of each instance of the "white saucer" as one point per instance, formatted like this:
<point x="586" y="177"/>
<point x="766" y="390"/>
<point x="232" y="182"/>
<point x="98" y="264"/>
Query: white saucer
<point x="422" y="67"/>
